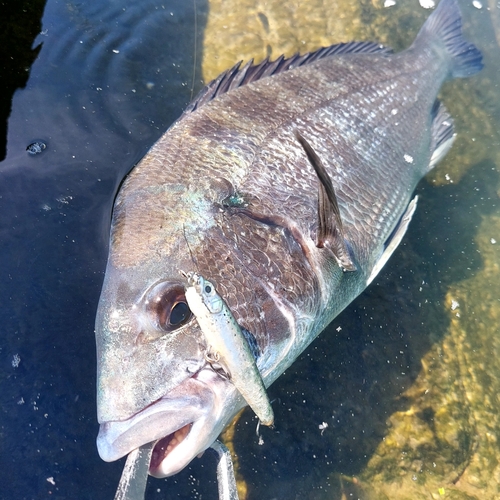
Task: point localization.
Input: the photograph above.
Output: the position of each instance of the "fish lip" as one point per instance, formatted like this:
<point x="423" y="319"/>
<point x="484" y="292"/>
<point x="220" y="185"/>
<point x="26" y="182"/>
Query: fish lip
<point x="188" y="403"/>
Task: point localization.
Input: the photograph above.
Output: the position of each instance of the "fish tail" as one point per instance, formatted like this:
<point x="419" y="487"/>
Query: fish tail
<point x="444" y="28"/>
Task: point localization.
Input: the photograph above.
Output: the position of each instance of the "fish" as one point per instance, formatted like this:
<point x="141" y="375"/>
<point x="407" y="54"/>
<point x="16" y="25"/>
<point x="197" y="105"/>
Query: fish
<point x="287" y="184"/>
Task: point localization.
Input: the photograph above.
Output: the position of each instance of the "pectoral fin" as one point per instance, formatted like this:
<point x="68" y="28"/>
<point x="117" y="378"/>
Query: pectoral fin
<point x="395" y="239"/>
<point x="330" y="230"/>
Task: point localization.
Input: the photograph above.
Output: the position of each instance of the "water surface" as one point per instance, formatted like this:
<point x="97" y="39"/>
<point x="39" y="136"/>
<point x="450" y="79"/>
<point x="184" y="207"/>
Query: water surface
<point x="406" y="379"/>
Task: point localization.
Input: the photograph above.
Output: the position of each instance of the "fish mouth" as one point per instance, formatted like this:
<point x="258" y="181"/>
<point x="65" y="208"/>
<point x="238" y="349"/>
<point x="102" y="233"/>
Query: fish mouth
<point x="184" y="423"/>
<point x="164" y="447"/>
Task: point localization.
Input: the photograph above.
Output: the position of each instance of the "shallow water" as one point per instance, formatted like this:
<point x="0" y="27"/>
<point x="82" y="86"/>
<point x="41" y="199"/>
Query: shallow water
<point x="407" y="388"/>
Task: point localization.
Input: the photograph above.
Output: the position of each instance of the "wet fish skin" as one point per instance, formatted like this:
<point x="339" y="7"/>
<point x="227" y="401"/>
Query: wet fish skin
<point x="229" y="192"/>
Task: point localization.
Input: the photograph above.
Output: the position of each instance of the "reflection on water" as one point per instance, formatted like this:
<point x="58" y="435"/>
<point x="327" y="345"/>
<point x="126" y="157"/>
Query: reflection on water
<point x="21" y="23"/>
<point x="397" y="400"/>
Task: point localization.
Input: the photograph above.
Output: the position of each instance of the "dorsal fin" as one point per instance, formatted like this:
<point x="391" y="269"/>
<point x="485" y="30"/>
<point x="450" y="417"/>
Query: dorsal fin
<point x="330" y="229"/>
<point x="236" y="77"/>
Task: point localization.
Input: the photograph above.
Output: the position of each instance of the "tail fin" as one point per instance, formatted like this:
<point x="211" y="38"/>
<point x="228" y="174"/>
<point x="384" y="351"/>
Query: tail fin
<point x="444" y="26"/>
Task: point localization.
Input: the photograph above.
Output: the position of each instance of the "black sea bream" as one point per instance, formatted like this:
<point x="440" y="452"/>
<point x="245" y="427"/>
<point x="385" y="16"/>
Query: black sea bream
<point x="287" y="185"/>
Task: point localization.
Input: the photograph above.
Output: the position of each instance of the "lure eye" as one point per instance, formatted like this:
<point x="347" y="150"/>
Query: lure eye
<point x="209" y="289"/>
<point x="168" y="307"/>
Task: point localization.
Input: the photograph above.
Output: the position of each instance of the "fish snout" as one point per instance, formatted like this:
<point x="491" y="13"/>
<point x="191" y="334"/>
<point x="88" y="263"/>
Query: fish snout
<point x="184" y="423"/>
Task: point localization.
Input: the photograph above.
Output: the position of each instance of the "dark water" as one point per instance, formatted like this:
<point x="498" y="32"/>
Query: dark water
<point x="95" y="83"/>
<point x="108" y="80"/>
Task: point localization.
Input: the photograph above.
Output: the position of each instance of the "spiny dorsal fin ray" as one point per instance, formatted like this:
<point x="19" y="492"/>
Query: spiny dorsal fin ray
<point x="236" y="77"/>
<point x="330" y="230"/>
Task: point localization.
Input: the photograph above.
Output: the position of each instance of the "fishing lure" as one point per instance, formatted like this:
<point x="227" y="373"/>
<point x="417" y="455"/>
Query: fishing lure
<point x="227" y="344"/>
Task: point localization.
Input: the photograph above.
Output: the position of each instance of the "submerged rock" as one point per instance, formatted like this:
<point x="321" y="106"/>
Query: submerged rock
<point x="407" y="378"/>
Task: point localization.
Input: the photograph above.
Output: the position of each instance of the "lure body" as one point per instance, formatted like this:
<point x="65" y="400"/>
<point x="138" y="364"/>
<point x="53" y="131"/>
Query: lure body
<point x="227" y="344"/>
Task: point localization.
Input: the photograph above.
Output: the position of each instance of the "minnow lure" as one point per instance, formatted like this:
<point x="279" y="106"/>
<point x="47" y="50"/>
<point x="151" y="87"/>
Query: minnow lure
<point x="227" y="344"/>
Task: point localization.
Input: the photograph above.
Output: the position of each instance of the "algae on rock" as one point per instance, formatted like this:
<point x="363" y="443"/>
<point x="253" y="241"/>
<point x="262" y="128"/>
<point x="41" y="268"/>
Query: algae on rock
<point x="440" y="439"/>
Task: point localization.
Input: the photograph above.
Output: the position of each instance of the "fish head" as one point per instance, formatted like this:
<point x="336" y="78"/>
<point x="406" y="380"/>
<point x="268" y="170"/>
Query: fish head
<point x="153" y="381"/>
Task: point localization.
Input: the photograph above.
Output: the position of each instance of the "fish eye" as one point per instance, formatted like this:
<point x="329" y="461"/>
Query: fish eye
<point x="208" y="289"/>
<point x="167" y="306"/>
<point x="179" y="313"/>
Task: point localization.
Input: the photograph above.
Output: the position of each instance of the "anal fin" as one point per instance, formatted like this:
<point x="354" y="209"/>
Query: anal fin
<point x="442" y="134"/>
<point x="330" y="229"/>
<point x="395" y="239"/>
